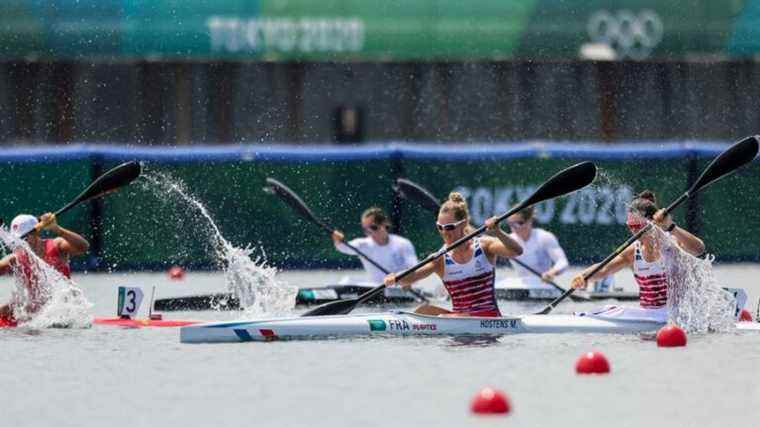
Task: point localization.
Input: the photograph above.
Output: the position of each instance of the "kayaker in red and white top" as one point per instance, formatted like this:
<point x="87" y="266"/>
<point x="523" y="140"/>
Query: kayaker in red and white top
<point x="646" y="258"/>
<point x="55" y="252"/>
<point x="468" y="270"/>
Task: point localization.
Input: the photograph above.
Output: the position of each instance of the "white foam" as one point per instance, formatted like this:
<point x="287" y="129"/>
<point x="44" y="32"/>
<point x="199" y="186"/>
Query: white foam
<point x="56" y="301"/>
<point x="696" y="301"/>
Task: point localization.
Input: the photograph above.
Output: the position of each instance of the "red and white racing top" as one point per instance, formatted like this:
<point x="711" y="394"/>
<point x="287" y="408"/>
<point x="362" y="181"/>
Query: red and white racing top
<point x="652" y="280"/>
<point x="471" y="285"/>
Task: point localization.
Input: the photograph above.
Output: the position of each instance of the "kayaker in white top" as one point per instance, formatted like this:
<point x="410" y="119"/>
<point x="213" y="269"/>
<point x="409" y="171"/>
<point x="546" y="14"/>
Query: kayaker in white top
<point x="541" y="251"/>
<point x="391" y="251"/>
<point x="646" y="258"/>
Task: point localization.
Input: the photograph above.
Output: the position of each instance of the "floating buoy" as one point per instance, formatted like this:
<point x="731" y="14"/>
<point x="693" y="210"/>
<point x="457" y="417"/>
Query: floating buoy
<point x="490" y="401"/>
<point x="177" y="272"/>
<point x="592" y="362"/>
<point x="745" y="316"/>
<point x="671" y="336"/>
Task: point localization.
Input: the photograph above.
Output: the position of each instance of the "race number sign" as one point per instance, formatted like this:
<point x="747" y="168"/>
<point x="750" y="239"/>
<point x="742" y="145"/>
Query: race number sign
<point x="129" y="301"/>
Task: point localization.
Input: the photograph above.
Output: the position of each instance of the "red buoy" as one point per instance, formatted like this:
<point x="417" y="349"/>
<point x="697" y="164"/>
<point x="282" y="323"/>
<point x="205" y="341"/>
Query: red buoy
<point x="671" y="336"/>
<point x="177" y="272"/>
<point x="490" y="401"/>
<point x="745" y="316"/>
<point x="592" y="362"/>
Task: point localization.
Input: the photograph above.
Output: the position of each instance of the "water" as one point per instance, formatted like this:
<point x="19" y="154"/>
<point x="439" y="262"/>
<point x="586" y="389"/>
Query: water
<point x="247" y="275"/>
<point x="106" y="376"/>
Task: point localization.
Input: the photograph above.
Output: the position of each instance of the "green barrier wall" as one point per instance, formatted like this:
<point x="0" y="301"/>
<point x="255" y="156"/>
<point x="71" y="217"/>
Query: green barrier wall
<point x="729" y="216"/>
<point x="145" y="226"/>
<point x="36" y="186"/>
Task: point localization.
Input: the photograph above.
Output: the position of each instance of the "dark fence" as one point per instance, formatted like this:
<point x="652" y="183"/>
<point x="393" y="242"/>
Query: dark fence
<point x="254" y="102"/>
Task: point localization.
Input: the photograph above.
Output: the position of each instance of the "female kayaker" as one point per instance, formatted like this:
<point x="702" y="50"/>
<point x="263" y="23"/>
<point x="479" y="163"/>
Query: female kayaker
<point x="391" y="251"/>
<point x="647" y="258"/>
<point x="55" y="252"/>
<point x="467" y="271"/>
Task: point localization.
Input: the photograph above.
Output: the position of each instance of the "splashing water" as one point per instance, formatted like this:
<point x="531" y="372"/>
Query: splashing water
<point x="55" y="301"/>
<point x="696" y="302"/>
<point x="249" y="279"/>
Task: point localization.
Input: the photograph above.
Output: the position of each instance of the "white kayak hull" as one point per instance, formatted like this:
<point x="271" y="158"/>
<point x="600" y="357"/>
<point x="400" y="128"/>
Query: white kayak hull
<point x="400" y="323"/>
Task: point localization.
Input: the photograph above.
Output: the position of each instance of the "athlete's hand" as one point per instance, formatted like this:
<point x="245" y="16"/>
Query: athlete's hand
<point x="579" y="282"/>
<point x="48" y="221"/>
<point x="548" y="276"/>
<point x="662" y="219"/>
<point x="390" y="280"/>
<point x="337" y="236"/>
<point x="491" y="223"/>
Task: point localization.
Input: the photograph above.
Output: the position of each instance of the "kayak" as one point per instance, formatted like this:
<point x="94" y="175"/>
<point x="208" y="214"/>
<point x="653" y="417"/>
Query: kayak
<point x="320" y="295"/>
<point x="544" y="295"/>
<point x="403" y="323"/>
<point x="520" y="289"/>
<point x="140" y="323"/>
<point x="118" y="321"/>
<point x="305" y="296"/>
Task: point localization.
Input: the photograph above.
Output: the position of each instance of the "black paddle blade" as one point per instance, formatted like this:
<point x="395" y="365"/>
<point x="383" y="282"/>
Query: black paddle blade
<point x="728" y="161"/>
<point x="411" y="191"/>
<point x="110" y="181"/>
<point x="288" y="196"/>
<point x="565" y="181"/>
<point x="336" y="307"/>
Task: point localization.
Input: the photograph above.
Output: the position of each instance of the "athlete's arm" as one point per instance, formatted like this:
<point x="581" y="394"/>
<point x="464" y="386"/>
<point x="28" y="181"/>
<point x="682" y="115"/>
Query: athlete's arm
<point x="621" y="261"/>
<point x="501" y="244"/>
<point x="557" y="255"/>
<point x="5" y="263"/>
<point x="689" y="242"/>
<point x="68" y="242"/>
<point x="419" y="274"/>
<point x="341" y="247"/>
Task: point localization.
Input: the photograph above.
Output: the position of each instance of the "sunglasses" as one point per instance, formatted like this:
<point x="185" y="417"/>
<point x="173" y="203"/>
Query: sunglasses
<point x="448" y="227"/>
<point x="516" y="223"/>
<point x="371" y="228"/>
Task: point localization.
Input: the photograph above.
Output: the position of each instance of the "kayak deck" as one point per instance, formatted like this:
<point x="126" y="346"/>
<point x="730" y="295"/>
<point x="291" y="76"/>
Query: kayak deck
<point x="401" y="323"/>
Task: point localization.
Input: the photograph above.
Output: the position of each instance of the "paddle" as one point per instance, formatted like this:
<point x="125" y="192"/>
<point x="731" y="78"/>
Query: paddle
<point x="727" y="162"/>
<point x="564" y="182"/>
<point x="110" y="181"/>
<point x="291" y="199"/>
<point x="412" y="191"/>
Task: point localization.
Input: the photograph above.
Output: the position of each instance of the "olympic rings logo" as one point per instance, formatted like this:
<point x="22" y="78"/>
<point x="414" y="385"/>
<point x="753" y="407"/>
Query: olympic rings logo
<point x="632" y="35"/>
